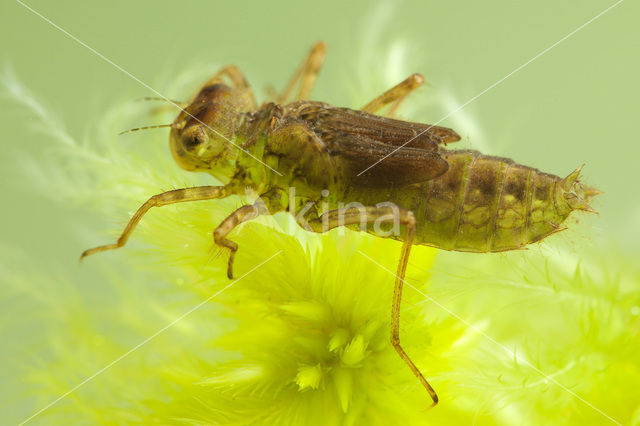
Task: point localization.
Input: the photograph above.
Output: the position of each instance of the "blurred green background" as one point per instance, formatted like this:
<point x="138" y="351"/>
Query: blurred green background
<point x="578" y="103"/>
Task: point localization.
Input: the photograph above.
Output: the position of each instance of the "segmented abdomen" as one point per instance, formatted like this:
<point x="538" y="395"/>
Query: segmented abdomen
<point x="487" y="204"/>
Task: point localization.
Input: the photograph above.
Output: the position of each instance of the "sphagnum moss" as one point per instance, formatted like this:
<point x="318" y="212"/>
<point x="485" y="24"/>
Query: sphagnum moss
<point x="303" y="339"/>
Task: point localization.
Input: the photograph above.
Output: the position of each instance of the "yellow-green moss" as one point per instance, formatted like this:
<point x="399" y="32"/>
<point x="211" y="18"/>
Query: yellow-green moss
<point x="303" y="339"/>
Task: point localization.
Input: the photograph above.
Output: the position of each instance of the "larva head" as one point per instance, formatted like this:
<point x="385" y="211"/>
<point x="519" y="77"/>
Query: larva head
<point x="202" y="135"/>
<point x="575" y="194"/>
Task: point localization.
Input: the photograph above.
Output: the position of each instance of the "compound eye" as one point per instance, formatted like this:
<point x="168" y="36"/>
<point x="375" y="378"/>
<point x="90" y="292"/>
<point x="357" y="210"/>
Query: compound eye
<point x="194" y="138"/>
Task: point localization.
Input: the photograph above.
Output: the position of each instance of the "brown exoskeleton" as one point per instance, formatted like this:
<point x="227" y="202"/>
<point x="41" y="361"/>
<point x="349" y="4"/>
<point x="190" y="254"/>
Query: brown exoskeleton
<point x="450" y="199"/>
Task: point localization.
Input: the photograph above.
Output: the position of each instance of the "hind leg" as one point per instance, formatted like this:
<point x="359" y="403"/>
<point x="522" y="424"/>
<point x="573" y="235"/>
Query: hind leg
<point x="363" y="215"/>
<point x="394" y="96"/>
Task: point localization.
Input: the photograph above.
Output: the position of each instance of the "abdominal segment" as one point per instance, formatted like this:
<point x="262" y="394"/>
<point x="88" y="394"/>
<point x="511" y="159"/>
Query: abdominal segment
<point x="485" y="204"/>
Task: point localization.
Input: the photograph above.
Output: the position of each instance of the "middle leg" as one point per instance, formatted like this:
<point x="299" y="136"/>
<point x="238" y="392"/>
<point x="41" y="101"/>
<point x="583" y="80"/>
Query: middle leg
<point x="243" y="214"/>
<point x="306" y="74"/>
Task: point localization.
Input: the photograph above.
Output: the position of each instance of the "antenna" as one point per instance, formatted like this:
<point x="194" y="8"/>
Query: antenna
<point x="135" y="129"/>
<point x="180" y="104"/>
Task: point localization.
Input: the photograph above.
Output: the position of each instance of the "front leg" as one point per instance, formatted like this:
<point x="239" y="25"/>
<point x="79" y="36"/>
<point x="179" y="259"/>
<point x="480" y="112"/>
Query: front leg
<point x="159" y="200"/>
<point x="237" y="79"/>
<point x="243" y="214"/>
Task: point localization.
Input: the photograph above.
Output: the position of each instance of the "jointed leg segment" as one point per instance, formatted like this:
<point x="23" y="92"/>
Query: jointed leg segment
<point x="237" y="79"/>
<point x="306" y="74"/>
<point x="351" y="216"/>
<point x="159" y="200"/>
<point x="395" y="313"/>
<point x="235" y="75"/>
<point x="395" y="95"/>
<point x="243" y="214"/>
